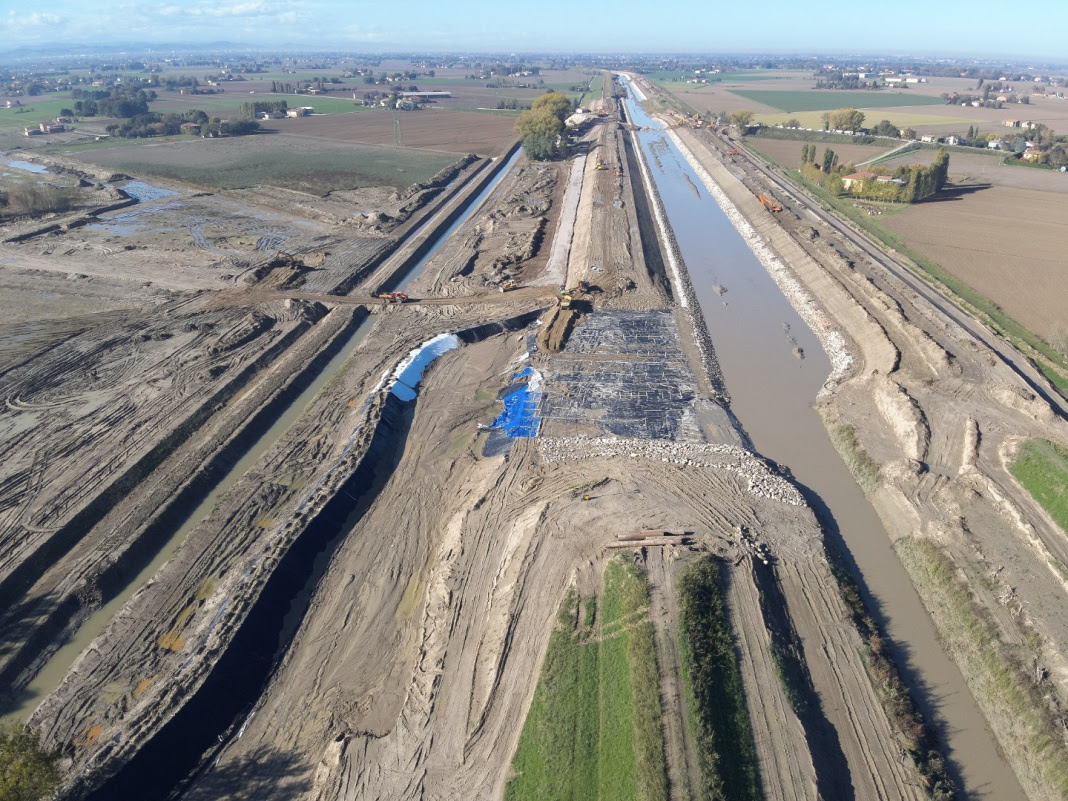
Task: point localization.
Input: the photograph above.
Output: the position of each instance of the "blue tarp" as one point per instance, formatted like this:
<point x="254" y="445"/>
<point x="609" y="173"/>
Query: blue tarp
<point x="520" y="416"/>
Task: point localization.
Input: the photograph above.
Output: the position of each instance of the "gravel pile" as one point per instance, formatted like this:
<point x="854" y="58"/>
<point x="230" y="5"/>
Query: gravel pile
<point x="761" y="480"/>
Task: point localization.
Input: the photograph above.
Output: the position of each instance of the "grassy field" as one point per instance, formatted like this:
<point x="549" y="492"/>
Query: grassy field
<point x="594" y="726"/>
<point x="1029" y="739"/>
<point x="32" y="112"/>
<point x="713" y="685"/>
<point x="1042" y="467"/>
<point x="822" y="101"/>
<point x="277" y="160"/>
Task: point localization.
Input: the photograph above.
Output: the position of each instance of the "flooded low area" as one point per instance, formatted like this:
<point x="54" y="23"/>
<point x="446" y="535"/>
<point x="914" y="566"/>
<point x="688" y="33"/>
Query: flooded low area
<point x="26" y="166"/>
<point x="773" y="367"/>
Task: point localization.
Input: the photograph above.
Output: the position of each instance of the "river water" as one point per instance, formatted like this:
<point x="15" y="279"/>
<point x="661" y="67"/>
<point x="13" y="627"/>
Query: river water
<point x="756" y="333"/>
<point x="56" y="668"/>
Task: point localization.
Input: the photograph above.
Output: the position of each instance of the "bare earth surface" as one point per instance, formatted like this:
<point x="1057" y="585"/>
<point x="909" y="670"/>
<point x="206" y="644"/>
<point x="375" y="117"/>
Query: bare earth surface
<point x="1006" y="242"/>
<point x="435" y="552"/>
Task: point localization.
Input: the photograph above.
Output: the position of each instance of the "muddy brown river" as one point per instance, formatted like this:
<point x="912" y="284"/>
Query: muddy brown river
<point x="773" y="367"/>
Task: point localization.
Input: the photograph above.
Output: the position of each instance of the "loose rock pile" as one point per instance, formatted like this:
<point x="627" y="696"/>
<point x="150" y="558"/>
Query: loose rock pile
<point x="760" y="479"/>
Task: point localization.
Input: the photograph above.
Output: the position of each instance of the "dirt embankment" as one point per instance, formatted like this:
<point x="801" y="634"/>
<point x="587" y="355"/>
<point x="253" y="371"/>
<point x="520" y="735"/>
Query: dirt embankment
<point x="937" y="411"/>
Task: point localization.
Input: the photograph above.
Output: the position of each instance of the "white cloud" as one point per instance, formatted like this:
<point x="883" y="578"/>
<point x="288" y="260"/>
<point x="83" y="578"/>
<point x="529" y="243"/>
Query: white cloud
<point x="32" y="20"/>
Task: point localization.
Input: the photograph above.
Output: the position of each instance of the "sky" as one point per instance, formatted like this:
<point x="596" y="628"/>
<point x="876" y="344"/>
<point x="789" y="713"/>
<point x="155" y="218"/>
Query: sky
<point x="978" y="27"/>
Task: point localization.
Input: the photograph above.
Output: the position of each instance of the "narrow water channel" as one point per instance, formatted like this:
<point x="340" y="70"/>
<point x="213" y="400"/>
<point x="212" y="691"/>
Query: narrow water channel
<point x="756" y="334"/>
<point x="56" y="668"/>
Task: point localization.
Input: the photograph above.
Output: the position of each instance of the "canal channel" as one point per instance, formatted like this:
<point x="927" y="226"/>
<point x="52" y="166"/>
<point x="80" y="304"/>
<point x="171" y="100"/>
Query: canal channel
<point x="773" y="367"/>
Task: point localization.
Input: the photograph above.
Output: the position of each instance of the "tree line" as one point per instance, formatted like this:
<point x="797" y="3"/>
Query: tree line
<point x="906" y="184"/>
<point x="118" y="102"/>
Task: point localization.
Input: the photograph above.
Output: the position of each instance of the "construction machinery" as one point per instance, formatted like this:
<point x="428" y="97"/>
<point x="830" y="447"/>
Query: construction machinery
<point x="508" y="285"/>
<point x="601" y="165"/>
<point x="769" y="204"/>
<point x="734" y="151"/>
<point x="393" y="297"/>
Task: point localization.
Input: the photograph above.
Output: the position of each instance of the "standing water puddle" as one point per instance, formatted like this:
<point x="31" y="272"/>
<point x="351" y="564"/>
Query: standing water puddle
<point x="756" y="334"/>
<point x="27" y="166"/>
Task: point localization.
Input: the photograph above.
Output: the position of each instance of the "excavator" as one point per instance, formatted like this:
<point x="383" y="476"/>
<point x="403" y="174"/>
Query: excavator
<point x="769" y="204"/>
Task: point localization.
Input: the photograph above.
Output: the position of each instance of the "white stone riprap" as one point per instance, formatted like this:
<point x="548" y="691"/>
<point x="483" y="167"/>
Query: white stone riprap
<point x="760" y="479"/>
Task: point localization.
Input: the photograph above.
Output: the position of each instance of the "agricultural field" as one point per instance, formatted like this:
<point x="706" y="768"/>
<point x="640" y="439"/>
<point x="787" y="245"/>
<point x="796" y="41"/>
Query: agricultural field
<point x="593" y="730"/>
<point x="824" y="100"/>
<point x="748" y="76"/>
<point x="788" y="152"/>
<point x="973" y="166"/>
<point x="32" y="112"/>
<point x="289" y="162"/>
<point x="979" y="233"/>
<point x="230" y="103"/>
<point x="454" y="131"/>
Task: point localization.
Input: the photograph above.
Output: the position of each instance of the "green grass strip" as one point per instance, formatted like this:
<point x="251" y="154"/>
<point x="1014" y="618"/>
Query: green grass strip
<point x="1042" y="467"/>
<point x="723" y="732"/>
<point x="1012" y="706"/>
<point x="594" y="727"/>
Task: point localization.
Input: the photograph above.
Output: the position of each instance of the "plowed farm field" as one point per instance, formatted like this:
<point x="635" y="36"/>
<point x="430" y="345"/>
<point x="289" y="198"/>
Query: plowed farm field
<point x="453" y="131"/>
<point x="1006" y="242"/>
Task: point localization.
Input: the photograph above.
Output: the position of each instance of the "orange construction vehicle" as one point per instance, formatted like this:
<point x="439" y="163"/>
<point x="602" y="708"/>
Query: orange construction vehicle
<point x="734" y="151"/>
<point x="769" y="204"/>
<point x="394" y="297"/>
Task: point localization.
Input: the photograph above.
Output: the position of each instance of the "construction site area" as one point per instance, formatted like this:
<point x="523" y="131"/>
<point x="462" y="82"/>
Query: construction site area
<point x="632" y="474"/>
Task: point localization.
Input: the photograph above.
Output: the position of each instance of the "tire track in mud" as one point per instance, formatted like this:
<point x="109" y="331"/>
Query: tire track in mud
<point x="684" y="769"/>
<point x="785" y="765"/>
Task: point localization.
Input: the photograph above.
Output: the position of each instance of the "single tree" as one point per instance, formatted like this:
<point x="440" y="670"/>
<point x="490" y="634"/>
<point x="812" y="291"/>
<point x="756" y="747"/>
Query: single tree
<point x="27" y="771"/>
<point x="742" y="118"/>
<point x="886" y="128"/>
<point x="828" y="159"/>
<point x="540" y="131"/>
<point x="554" y="103"/>
<point x="845" y="119"/>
